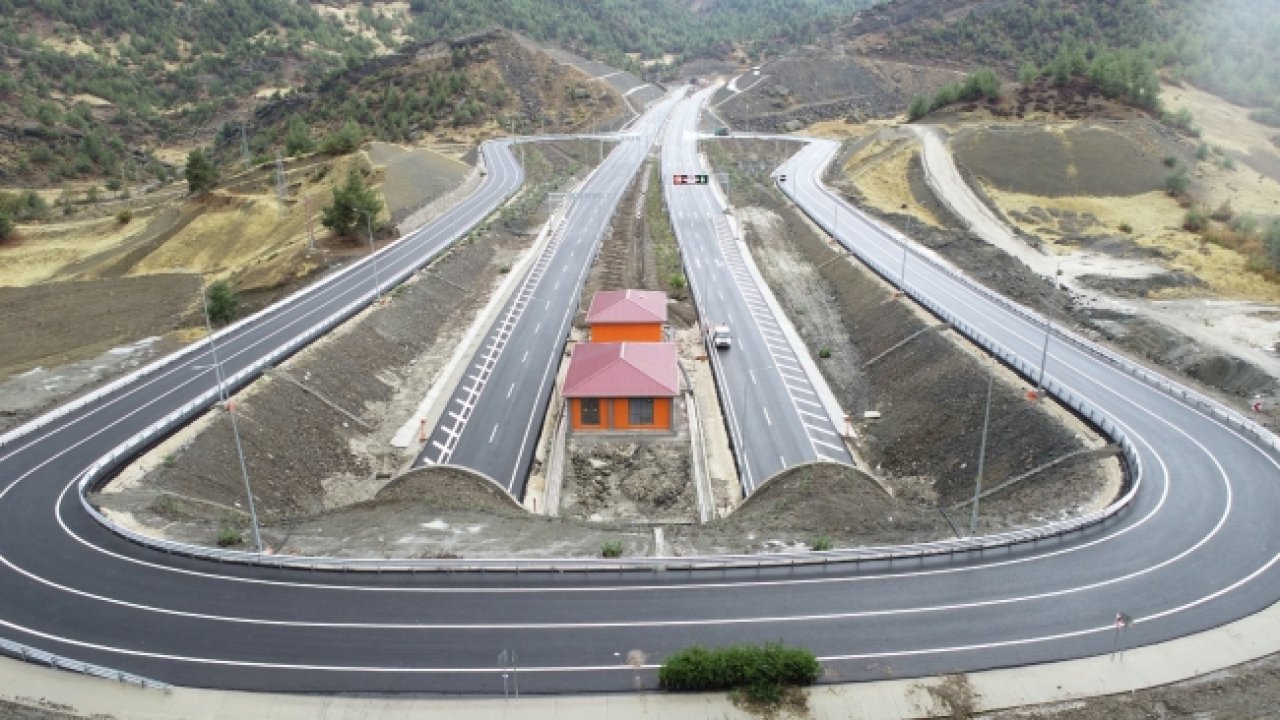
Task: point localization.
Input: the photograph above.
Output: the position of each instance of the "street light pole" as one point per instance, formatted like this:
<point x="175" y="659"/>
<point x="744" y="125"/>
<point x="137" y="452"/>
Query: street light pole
<point x="377" y="280"/>
<point x="982" y="456"/>
<point x="1048" y="330"/>
<point x="235" y="427"/>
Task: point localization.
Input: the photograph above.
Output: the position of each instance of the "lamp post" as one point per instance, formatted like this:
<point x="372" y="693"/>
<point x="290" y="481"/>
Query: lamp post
<point x="1048" y="330"/>
<point x="377" y="280"/>
<point x="235" y="427"/>
<point x="982" y="456"/>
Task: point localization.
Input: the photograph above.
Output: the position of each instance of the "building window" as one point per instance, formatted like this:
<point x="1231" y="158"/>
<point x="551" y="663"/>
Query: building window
<point x="590" y="411"/>
<point x="640" y="411"/>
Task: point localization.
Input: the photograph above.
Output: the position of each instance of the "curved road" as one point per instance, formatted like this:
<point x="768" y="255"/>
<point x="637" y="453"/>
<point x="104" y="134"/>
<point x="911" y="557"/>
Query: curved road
<point x="1194" y="550"/>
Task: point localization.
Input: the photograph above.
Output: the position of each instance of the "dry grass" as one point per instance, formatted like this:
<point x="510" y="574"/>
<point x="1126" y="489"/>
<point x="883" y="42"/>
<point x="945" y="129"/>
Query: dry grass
<point x="879" y="171"/>
<point x="1222" y="123"/>
<point x="1156" y="219"/>
<point x="44" y="250"/>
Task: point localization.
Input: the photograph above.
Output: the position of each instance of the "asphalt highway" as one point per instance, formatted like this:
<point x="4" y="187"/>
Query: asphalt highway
<point x="492" y="421"/>
<point x="772" y="406"/>
<point x="1195" y="549"/>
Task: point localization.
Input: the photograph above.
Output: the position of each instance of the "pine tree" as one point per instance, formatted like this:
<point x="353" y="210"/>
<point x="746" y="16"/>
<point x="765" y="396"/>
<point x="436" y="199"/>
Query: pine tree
<point x="201" y="174"/>
<point x="354" y="203"/>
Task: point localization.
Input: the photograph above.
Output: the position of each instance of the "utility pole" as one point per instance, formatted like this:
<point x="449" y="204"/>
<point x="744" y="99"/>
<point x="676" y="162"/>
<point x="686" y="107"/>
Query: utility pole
<point x="231" y="413"/>
<point x="280" y="192"/>
<point x="311" y="235"/>
<point x="982" y="455"/>
<point x="244" y="147"/>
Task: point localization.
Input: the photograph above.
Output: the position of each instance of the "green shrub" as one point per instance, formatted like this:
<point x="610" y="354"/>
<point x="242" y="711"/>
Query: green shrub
<point x="824" y="353"/>
<point x="229" y="536"/>
<point x="124" y="217"/>
<point x="611" y="549"/>
<point x="1178" y="182"/>
<point x="1126" y="228"/>
<point x="6" y="225"/>
<point x="823" y="542"/>
<point x="344" y="141"/>
<point x="1194" y="220"/>
<point x="760" y="670"/>
<point x="221" y="302"/>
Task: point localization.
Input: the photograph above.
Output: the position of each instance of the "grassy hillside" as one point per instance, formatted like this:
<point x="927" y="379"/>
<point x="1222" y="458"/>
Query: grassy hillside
<point x="609" y="29"/>
<point x="89" y="84"/>
<point x="92" y="88"/>
<point x="486" y="82"/>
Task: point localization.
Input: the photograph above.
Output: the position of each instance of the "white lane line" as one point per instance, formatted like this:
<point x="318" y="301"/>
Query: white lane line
<point x="826" y="444"/>
<point x="765" y="410"/>
<point x="511" y="389"/>
<point x="525" y="357"/>
<point x="493" y="432"/>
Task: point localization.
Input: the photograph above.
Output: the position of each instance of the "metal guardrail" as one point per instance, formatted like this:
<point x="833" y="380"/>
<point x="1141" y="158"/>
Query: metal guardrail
<point x="27" y="653"/>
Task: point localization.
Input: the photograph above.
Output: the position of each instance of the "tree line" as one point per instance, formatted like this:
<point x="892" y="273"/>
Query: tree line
<point x="1224" y="46"/>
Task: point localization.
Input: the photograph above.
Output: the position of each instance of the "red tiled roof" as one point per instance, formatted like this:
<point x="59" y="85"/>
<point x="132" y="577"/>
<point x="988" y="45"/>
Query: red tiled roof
<point x="623" y="370"/>
<point x="628" y="306"/>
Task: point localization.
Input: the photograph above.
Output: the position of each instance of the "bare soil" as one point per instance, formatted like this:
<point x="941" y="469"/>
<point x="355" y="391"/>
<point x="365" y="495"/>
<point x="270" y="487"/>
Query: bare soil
<point x="315" y="431"/>
<point x="928" y="386"/>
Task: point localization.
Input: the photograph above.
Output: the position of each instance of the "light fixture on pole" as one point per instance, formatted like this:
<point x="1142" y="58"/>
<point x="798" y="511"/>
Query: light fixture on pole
<point x="1048" y="330"/>
<point x="377" y="280"/>
<point x="982" y="455"/>
<point x="231" y="413"/>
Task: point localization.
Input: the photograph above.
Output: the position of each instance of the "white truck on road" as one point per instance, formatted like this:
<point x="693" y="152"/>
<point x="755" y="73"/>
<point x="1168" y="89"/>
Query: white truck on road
<point x="718" y="336"/>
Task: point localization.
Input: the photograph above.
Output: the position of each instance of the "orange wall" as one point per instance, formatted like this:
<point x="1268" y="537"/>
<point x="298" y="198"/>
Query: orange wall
<point x="627" y="332"/>
<point x="613" y="415"/>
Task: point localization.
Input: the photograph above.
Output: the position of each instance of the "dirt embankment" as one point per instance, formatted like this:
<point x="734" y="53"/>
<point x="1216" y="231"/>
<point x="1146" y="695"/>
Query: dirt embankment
<point x="315" y="431"/>
<point x="883" y="354"/>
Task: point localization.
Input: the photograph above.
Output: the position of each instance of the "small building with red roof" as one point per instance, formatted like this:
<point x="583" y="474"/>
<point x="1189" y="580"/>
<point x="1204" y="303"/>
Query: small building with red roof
<point x="622" y="385"/>
<point x="627" y="316"/>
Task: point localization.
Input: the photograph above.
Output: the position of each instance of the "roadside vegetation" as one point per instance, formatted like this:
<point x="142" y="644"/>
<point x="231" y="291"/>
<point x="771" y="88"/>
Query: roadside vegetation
<point x="665" y="252"/>
<point x="221" y="302"/>
<point x="761" y="673"/>
<point x="355" y="206"/>
<point x="981" y="84"/>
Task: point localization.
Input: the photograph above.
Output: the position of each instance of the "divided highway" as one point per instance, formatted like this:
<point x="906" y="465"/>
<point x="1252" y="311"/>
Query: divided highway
<point x="1194" y="549"/>
<point x="492" y="421"/>
<point x="773" y="407"/>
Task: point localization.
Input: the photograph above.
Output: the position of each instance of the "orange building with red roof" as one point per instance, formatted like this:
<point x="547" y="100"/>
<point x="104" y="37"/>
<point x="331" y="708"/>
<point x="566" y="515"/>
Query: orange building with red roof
<point x="622" y="386"/>
<point x="627" y="316"/>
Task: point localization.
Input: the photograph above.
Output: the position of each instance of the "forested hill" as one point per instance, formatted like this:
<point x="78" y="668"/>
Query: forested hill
<point x="87" y="84"/>
<point x="611" y="29"/>
<point x="1224" y="46"/>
